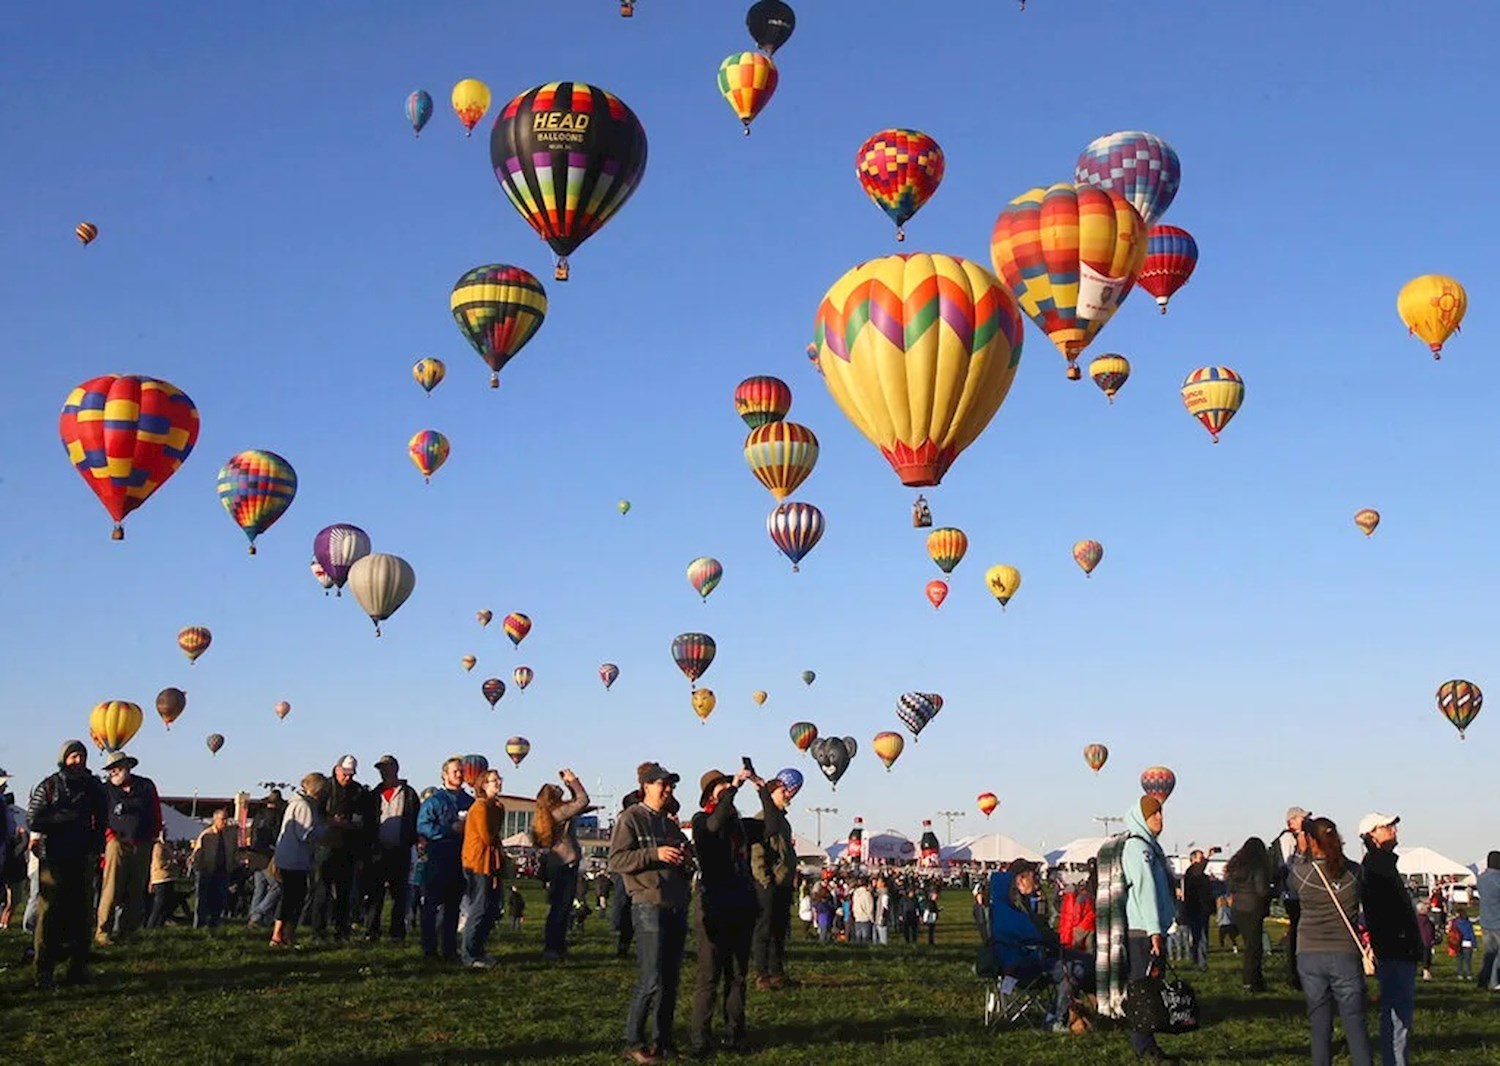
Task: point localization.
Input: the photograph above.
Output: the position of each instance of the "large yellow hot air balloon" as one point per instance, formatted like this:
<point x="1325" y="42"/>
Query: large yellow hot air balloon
<point x="471" y="99"/>
<point x="113" y="723"/>
<point x="1003" y="582"/>
<point x="781" y="455"/>
<point x="919" y="351"/>
<point x="1432" y="306"/>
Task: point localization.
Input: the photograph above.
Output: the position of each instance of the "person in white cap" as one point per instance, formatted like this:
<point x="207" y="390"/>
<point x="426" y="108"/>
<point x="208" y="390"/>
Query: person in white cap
<point x="347" y="844"/>
<point x="1287" y="848"/>
<point x="1394" y="936"/>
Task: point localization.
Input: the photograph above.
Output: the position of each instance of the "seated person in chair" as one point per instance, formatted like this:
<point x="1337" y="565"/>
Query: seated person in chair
<point x="1025" y="945"/>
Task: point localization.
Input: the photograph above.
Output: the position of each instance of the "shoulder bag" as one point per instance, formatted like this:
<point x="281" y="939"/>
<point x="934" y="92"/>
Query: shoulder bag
<point x="1366" y="956"/>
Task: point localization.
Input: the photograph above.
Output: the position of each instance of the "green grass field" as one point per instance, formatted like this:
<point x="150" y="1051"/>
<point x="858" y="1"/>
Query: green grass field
<point x="182" y="997"/>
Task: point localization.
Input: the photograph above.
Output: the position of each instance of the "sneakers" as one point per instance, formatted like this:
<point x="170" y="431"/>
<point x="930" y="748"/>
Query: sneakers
<point x="481" y="964"/>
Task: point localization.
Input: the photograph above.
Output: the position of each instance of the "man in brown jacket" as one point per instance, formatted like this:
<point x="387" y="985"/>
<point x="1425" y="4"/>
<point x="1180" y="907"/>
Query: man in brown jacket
<point x="650" y="853"/>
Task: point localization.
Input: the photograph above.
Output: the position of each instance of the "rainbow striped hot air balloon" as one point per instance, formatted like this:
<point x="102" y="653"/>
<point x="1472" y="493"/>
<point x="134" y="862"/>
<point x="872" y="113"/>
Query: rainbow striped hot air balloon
<point x="694" y="654"/>
<point x="1171" y="256"/>
<point x="781" y="456"/>
<point x="516" y="625"/>
<point x="704" y="574"/>
<point x="256" y="487"/>
<point x="498" y="309"/>
<point x="1460" y="703"/>
<point x="803" y="734"/>
<point x="748" y="81"/>
<point x="1212" y="395"/>
<point x="947" y="547"/>
<point x="429" y="451"/>
<point x="762" y="399"/>
<point x="899" y="170"/>
<point x="1087" y="554"/>
<point x="1158" y="781"/>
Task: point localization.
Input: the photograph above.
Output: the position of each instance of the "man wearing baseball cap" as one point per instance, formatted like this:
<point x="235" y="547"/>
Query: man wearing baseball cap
<point x="1392" y="922"/>
<point x="1286" y="846"/>
<point x="393" y="806"/>
<point x="347" y="842"/>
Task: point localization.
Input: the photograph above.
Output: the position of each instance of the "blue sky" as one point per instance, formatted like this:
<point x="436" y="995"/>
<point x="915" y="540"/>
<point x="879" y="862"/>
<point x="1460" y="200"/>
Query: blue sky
<point x="275" y="242"/>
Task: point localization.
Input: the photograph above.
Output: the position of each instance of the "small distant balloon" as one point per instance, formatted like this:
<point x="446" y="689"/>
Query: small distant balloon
<point x="1432" y="307"/>
<point x="215" y="741"/>
<point x="86" y="232"/>
<point x="484" y="617"/>
<point x="1460" y="703"/>
<point x="937" y="592"/>
<point x="623" y="506"/>
<point x="282" y="709"/>
<point x="759" y="696"/>
<point x="492" y="689"/>
<point x="470" y="99"/>
<point x="194" y="641"/>
<point x="704" y="574"/>
<point x="468" y="662"/>
<point x="1212" y="395"/>
<point x="516" y="625"/>
<point x="170" y="703"/>
<point x="704" y="702"/>
<point x="1110" y="371"/>
<point x="517" y="748"/>
<point x="1158" y="781"/>
<point x="418" y="110"/>
<point x="429" y="373"/>
<point x="522" y="676"/>
<point x="608" y="673"/>
<point x="888" y="747"/>
<point x="1095" y="755"/>
<point x="1087" y="553"/>
<point x="1367" y="520"/>
<point x="988" y="801"/>
<point x="1003" y="582"/>
<point x="808" y="677"/>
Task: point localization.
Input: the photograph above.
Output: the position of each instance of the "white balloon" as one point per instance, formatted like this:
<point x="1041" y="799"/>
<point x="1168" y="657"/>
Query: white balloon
<point x="381" y="583"/>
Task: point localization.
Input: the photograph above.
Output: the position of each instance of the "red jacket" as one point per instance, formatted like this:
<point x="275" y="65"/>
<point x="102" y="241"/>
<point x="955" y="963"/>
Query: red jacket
<point x="1077" y="917"/>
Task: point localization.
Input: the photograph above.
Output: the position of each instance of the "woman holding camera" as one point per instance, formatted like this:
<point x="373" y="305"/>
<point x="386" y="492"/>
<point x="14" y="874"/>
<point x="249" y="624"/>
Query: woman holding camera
<point x="552" y="828"/>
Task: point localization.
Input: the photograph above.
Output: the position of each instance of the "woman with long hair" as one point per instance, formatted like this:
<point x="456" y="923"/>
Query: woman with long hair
<point x="1248" y="877"/>
<point x="301" y="828"/>
<point x="1328" y="956"/>
<point x="552" y="829"/>
<point x="484" y="861"/>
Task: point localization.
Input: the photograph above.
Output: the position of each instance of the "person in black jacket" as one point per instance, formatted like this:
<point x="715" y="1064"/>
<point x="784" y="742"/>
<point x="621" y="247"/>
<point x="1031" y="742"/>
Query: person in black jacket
<point x="1248" y="878"/>
<point x="1392" y="922"/>
<point x="726" y="909"/>
<point x="70" y="811"/>
<point x="619" y="899"/>
<point x="392" y="818"/>
<point x="347" y="845"/>
<point x="1198" y="904"/>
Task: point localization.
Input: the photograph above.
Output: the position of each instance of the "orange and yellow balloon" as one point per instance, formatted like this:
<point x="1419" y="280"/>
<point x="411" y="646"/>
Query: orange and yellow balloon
<point x="919" y="352"/>
<point x="1432" y="307"/>
<point x="781" y="455"/>
<point x="429" y="373"/>
<point x="748" y="81"/>
<point x="759" y="696"/>
<point x="1003" y="582"/>
<point x="113" y="723"/>
<point x="1212" y="395"/>
<point x="1367" y="520"/>
<point x="888" y="747"/>
<point x="947" y="547"/>
<point x="471" y="99"/>
<point x="194" y="641"/>
<point x="988" y="801"/>
<point x="86" y="232"/>
<point x="1087" y="553"/>
<point x="1069" y="254"/>
<point x="704" y="702"/>
<point x="1110" y="371"/>
<point x="429" y="451"/>
<point x="1095" y="755"/>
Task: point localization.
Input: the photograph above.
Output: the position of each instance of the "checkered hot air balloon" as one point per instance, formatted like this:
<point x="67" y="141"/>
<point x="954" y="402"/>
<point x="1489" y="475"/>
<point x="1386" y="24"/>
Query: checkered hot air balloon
<point x="126" y="435"/>
<point x="919" y="352"/>
<point x="568" y="156"/>
<point x="781" y="455"/>
<point x="1460" y="703"/>
<point x="762" y="399"/>
<point x="515" y="626"/>
<point x="498" y="309"/>
<point x="1212" y="395"/>
<point x="795" y="528"/>
<point x="1140" y="166"/>
<point x="748" y="81"/>
<point x="899" y="171"/>
<point x="1158" y="781"/>
<point x="694" y="654"/>
<point x="256" y="487"/>
<point x="915" y="709"/>
<point x="1171" y="256"/>
<point x="1069" y="255"/>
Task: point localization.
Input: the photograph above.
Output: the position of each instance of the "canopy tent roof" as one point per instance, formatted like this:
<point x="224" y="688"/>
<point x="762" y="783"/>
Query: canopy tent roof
<point x="517" y="840"/>
<point x="989" y="847"/>
<point x="1076" y="852"/>
<point x="807" y="848"/>
<point x="1425" y="862"/>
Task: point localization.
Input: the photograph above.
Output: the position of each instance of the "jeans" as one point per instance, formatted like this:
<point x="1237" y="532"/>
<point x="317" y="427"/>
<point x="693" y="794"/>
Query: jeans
<point x="1466" y="963"/>
<point x="1138" y="956"/>
<point x="1398" y="1006"/>
<point x="862" y="932"/>
<point x="293" y="897"/>
<point x="33" y="898"/>
<point x="442" y="892"/>
<point x="1198" y="931"/>
<point x="1251" y="925"/>
<point x="1334" y="980"/>
<point x="1293" y="915"/>
<point x="723" y="959"/>
<point x="882" y="934"/>
<point x="660" y="935"/>
<point x="481" y="903"/>
<point x="387" y="874"/>
<point x="773" y="918"/>
<point x="213" y="894"/>
<point x="562" y="887"/>
<point x="163" y="899"/>
<point x="1489" y="972"/>
<point x="265" y="899"/>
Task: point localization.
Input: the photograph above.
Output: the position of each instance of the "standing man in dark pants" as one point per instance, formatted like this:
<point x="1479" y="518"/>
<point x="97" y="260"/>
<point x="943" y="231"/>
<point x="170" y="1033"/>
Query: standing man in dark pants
<point x="649" y="851"/>
<point x="619" y="899"/>
<point x="347" y="844"/>
<point x="392" y="813"/>
<point x="726" y="910"/>
<point x="773" y="864"/>
<point x="1198" y="904"/>
<point x="69" y="811"/>
<point x="1286" y="846"/>
<point x="1392" y="922"/>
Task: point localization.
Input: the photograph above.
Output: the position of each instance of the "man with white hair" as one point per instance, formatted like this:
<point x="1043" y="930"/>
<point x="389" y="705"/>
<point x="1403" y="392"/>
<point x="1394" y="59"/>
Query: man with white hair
<point x="1286" y="845"/>
<point x="1397" y="943"/>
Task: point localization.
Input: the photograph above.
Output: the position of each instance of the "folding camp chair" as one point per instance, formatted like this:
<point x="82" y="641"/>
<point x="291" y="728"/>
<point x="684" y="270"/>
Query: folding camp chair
<point x="1011" y="1003"/>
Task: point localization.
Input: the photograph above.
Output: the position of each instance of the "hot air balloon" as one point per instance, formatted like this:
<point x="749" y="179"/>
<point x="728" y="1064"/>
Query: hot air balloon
<point x="833" y="759"/>
<point x="484" y="617"/>
<point x="623" y="507"/>
<point x="1367" y="520"/>
<point x="762" y="399"/>
<point x="792" y="779"/>
<point x="704" y="574"/>
<point x="1069" y="254"/>
<point x="748" y="81"/>
<point x="1212" y="394"/>
<point x="694" y="654"/>
<point x="1087" y="553"/>
<point x="947" y="546"/>
<point x="781" y="455"/>
<point x="988" y="801"/>
<point x="498" y="309"/>
<point x="474" y="767"/>
<point x="256" y="487"/>
<point x="627" y="9"/>
<point x="803" y="734"/>
<point x="320" y="575"/>
<point x="429" y="373"/>
<point x="194" y="641"/>
<point x="516" y="625"/>
<point x="1432" y="307"/>
<point x="471" y="99"/>
<point x="608" y="673"/>
<point x="170" y="703"/>
<point x="1458" y="701"/>
<point x="215" y="741"/>
<point x="937" y="592"/>
<point x="918" y="351"/>
<point x="517" y="748"/>
<point x="1141" y="167"/>
<point x="808" y="677"/>
<point x="381" y="583"/>
<point x="759" y="696"/>
<point x="492" y="689"/>
<point x="704" y="702"/>
<point x="888" y="747"/>
<point x="126" y="436"/>
<point x="468" y="662"/>
<point x="899" y="171"/>
<point x="795" y="528"/>
<point x="1096" y="755"/>
<point x="86" y="232"/>
<point x="282" y="709"/>
<point x="429" y="451"/>
<point x="1003" y="582"/>
<point x="1171" y="255"/>
<point x="522" y="676"/>
<point x="337" y="548"/>
<point x="418" y="110"/>
<point x="1158" y="781"/>
<point x="770" y="23"/>
<point x="1110" y="371"/>
<point x="113" y="723"/>
<point x="916" y="709"/>
<point x="568" y="156"/>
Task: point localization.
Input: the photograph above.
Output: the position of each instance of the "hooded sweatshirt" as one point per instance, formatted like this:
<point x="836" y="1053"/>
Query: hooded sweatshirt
<point x="773" y="853"/>
<point x="638" y="832"/>
<point x="1489" y="895"/>
<point x="1150" y="905"/>
<point x="69" y="810"/>
<point x="1389" y="914"/>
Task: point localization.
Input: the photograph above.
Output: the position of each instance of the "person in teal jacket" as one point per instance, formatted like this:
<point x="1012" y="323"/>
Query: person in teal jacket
<point x="440" y="835"/>
<point x="1150" y="904"/>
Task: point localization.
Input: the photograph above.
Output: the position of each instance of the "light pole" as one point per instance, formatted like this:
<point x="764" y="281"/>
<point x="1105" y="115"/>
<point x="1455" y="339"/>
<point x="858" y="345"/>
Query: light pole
<point x="819" y="812"/>
<point x="1106" y="820"/>
<point x="948" y="817"/>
